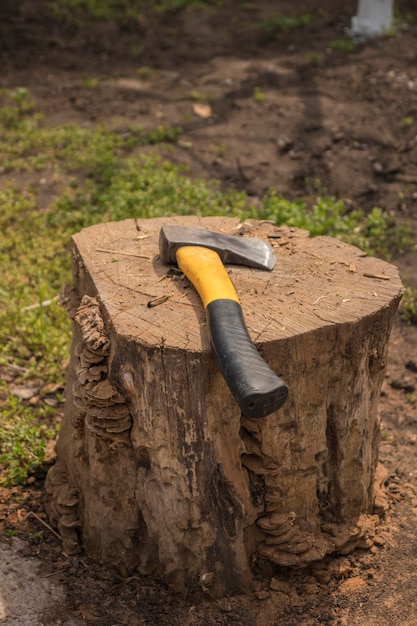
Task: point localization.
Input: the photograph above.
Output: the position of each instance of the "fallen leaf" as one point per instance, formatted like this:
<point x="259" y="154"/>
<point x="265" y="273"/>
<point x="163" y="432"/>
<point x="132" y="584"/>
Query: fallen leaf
<point x="202" y="110"/>
<point x="24" y="392"/>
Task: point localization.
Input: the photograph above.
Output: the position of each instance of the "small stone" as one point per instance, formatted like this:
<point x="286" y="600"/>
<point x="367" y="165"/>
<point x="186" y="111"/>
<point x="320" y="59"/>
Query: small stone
<point x="338" y="136"/>
<point x="378" y="168"/>
<point x="285" y="144"/>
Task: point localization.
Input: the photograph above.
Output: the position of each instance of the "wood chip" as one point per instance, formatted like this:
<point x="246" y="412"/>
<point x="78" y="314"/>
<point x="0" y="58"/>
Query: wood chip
<point x="202" y="110"/>
<point x="157" y="301"/>
<point x="139" y="256"/>
<point x="380" y="276"/>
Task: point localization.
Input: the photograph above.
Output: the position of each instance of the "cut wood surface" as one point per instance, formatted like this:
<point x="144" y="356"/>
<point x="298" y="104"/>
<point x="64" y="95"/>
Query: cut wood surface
<point x="158" y="470"/>
<point x="316" y="281"/>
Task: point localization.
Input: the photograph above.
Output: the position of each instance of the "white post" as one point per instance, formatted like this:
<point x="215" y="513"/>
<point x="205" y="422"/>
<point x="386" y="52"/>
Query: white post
<point x="373" y="18"/>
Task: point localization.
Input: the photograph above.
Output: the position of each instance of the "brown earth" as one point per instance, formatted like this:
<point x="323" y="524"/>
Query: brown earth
<point x="326" y="115"/>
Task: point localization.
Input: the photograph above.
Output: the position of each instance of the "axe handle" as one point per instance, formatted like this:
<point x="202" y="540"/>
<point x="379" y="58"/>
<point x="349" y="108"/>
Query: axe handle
<point x="254" y="385"/>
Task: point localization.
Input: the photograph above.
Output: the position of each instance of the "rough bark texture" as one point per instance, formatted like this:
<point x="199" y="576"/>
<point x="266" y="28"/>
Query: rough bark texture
<point x="158" y="470"/>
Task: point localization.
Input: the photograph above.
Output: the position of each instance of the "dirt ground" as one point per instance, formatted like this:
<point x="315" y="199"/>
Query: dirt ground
<point x="346" y="119"/>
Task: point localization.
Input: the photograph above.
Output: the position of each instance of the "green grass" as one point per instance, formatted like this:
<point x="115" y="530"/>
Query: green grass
<point x="343" y="45"/>
<point x="276" y="24"/>
<point x="375" y="232"/>
<point x="24" y="433"/>
<point x="409" y="305"/>
<point x="81" y="11"/>
<point x="97" y="175"/>
<point x="259" y="95"/>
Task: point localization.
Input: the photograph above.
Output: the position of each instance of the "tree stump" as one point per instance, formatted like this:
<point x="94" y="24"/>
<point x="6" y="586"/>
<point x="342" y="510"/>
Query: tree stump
<point x="157" y="470"/>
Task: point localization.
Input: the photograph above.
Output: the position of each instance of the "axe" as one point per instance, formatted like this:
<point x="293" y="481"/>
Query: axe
<point x="200" y="254"/>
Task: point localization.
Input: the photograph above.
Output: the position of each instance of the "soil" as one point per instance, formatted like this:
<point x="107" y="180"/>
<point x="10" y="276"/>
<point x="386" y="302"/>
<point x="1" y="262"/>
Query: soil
<point x="345" y="119"/>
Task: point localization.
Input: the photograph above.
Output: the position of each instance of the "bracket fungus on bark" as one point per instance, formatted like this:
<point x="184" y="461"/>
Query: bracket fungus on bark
<point x="100" y="403"/>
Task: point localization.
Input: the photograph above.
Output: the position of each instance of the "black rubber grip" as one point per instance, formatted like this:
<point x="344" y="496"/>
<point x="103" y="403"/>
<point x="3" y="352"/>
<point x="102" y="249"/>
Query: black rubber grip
<point x="254" y="385"/>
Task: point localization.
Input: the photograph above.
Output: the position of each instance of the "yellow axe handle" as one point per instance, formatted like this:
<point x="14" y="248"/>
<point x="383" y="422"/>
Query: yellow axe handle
<point x="255" y="386"/>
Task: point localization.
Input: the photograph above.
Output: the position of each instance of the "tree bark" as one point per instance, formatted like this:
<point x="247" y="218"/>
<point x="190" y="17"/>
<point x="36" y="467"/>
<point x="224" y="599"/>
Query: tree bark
<point x="158" y="470"/>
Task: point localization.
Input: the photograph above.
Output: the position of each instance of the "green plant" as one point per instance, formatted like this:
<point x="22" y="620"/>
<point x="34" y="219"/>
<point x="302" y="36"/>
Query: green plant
<point x="136" y="51"/>
<point x="145" y="71"/>
<point x="374" y="232"/>
<point x="23" y="438"/>
<point x="408" y="306"/>
<point x="315" y="58"/>
<point x="222" y="149"/>
<point x="412" y="398"/>
<point x="91" y="83"/>
<point x="344" y="45"/>
<point x="259" y="95"/>
<point x="196" y="96"/>
<point x="277" y="24"/>
<point x="402" y="18"/>
<point x="408" y="121"/>
<point x="17" y="109"/>
<point x="79" y="12"/>
<point x="160" y="134"/>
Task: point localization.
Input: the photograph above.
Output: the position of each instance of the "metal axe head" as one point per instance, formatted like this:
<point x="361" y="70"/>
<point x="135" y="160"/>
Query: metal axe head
<point x="249" y="251"/>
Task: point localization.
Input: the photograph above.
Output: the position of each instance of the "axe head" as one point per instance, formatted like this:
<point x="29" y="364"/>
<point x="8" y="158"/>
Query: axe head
<point x="249" y="251"/>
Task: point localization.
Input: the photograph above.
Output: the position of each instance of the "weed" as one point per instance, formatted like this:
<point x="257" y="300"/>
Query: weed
<point x="222" y="149"/>
<point x="344" y="45"/>
<point x="408" y="306"/>
<point x="403" y="18"/>
<point x="277" y="24"/>
<point x="15" y="114"/>
<point x="315" y="58"/>
<point x="407" y="121"/>
<point x="22" y="441"/>
<point x="20" y="96"/>
<point x="136" y="51"/>
<point x="375" y="232"/>
<point x="161" y="134"/>
<point x="79" y="12"/>
<point x="145" y="71"/>
<point x="91" y="83"/>
<point x="259" y="95"/>
<point x="412" y="398"/>
<point x="196" y="96"/>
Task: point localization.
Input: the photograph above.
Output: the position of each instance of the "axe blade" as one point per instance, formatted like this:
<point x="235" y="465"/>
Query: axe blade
<point x="249" y="251"/>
